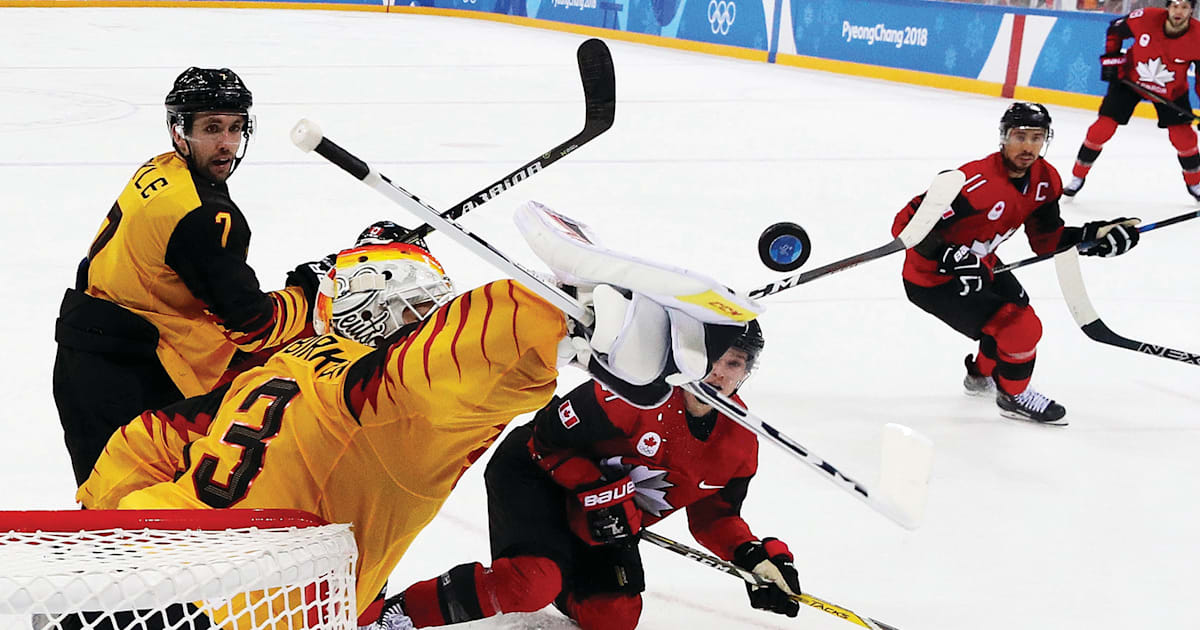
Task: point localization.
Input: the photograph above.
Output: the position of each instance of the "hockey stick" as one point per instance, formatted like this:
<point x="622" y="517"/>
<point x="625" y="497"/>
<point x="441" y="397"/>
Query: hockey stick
<point x="1151" y="96"/>
<point x="1145" y="227"/>
<point x="600" y="98"/>
<point x="1075" y="294"/>
<point x="753" y="578"/>
<point x="911" y="453"/>
<point x="906" y="461"/>
<point x="942" y="192"/>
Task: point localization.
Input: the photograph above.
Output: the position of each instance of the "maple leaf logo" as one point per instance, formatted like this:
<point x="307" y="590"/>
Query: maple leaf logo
<point x="1155" y="72"/>
<point x="650" y="441"/>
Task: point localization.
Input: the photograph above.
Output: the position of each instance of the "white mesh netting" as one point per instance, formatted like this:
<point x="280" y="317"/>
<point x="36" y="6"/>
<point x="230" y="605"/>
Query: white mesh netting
<point x="247" y="575"/>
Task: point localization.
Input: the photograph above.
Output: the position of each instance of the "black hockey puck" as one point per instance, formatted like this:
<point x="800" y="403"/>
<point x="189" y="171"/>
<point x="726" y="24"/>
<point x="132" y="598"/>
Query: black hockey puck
<point x="784" y="246"/>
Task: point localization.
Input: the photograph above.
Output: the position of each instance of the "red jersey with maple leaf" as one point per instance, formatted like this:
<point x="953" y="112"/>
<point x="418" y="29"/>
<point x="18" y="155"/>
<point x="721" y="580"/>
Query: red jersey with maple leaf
<point x="677" y="461"/>
<point x="1156" y="62"/>
<point x="988" y="210"/>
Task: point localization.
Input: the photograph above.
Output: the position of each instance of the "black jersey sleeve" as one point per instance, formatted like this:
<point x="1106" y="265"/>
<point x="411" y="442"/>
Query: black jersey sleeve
<point x="1044" y="227"/>
<point x="208" y="251"/>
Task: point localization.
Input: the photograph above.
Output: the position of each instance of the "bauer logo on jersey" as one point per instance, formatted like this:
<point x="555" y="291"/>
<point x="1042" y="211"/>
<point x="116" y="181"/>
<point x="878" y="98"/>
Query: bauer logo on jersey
<point x="566" y="415"/>
<point x="1154" y="75"/>
<point x="649" y="444"/>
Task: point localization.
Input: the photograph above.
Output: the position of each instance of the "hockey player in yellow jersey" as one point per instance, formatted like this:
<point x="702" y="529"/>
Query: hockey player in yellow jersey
<point x="374" y="423"/>
<point x="164" y="296"/>
<point x="375" y="437"/>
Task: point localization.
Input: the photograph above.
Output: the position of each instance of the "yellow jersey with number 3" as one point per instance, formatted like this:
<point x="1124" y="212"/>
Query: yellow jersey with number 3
<point x="376" y="438"/>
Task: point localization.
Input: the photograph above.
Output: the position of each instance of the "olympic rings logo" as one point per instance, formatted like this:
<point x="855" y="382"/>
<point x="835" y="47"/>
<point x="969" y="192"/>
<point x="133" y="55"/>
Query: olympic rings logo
<point x="721" y="14"/>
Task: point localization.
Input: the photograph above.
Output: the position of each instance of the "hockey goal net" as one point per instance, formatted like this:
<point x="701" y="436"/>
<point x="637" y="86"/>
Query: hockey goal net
<point x="175" y="569"/>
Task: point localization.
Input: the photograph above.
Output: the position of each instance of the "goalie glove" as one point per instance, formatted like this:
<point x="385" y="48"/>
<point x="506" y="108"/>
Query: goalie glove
<point x="640" y="349"/>
<point x="771" y="559"/>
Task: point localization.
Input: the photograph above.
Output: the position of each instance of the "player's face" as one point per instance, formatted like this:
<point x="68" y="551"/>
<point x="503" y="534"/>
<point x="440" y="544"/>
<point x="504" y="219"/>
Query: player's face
<point x="1178" y="14"/>
<point x="1022" y="148"/>
<point x="214" y="142"/>
<point x="729" y="371"/>
<point x="416" y="313"/>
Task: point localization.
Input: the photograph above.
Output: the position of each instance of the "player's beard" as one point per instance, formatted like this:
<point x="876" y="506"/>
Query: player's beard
<point x="1175" y="29"/>
<point x="1014" y="169"/>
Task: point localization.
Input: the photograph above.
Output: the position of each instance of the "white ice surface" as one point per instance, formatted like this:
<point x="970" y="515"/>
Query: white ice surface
<point x="1091" y="526"/>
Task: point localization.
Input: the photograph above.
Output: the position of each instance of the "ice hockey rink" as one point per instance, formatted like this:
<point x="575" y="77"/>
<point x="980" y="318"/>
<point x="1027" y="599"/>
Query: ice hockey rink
<point x="1094" y="525"/>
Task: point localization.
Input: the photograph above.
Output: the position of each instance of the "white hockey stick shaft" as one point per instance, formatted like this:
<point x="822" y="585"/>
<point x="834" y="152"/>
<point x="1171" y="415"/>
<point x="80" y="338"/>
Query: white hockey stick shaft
<point x="905" y="509"/>
<point x="753" y="578"/>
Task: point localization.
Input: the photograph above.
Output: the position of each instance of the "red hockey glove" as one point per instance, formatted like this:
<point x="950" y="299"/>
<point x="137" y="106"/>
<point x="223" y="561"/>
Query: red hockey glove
<point x="1112" y="66"/>
<point x="605" y="514"/>
<point x="771" y="559"/>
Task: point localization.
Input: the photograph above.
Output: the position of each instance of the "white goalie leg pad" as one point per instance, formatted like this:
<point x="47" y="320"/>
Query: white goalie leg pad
<point x="634" y="334"/>
<point x="688" y="348"/>
<point x="571" y="250"/>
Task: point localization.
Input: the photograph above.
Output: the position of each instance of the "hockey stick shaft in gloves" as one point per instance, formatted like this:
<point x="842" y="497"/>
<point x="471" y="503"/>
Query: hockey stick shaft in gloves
<point x="941" y="194"/>
<point x="600" y="97"/>
<point x="1151" y="96"/>
<point x="753" y="578"/>
<point x="913" y="456"/>
<point x="1070" y="278"/>
<point x="1145" y="227"/>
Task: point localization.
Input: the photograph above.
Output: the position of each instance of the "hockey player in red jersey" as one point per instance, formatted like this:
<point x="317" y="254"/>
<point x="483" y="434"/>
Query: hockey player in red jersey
<point x="949" y="273"/>
<point x="568" y="493"/>
<point x="1166" y="42"/>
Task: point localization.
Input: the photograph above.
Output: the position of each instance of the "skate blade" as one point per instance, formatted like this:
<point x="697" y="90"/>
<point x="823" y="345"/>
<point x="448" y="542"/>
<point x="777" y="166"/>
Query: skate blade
<point x="1013" y="415"/>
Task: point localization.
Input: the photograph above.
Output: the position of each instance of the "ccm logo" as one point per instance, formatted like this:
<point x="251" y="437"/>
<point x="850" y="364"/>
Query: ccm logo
<point x="611" y="495"/>
<point x="566" y="415"/>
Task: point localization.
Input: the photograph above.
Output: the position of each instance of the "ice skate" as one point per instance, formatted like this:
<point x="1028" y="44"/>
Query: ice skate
<point x="1031" y="406"/>
<point x="1073" y="187"/>
<point x="1194" y="191"/>
<point x="975" y="383"/>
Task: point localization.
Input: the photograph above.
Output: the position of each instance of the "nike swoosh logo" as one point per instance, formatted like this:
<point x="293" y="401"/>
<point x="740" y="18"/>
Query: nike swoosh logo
<point x="704" y="486"/>
<point x="1181" y="61"/>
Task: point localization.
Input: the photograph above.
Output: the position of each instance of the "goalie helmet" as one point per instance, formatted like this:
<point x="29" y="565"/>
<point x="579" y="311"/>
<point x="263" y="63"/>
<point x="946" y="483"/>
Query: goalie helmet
<point x="375" y="290"/>
<point x="1023" y="115"/>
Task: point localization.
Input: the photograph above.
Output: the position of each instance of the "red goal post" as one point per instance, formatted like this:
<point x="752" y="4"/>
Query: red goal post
<point x="239" y="569"/>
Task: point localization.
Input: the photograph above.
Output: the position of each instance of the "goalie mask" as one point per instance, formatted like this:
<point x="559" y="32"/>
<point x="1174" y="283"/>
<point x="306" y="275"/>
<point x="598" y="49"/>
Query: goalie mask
<point x="375" y="290"/>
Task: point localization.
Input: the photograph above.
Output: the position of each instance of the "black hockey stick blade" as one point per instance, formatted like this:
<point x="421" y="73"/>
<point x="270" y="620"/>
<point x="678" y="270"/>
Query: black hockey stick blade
<point x="1075" y="294"/>
<point x="1145" y="227"/>
<point x="600" y="98"/>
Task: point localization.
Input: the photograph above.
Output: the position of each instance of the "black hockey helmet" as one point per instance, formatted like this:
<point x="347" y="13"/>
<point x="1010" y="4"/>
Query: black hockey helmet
<point x="384" y="232"/>
<point x="208" y="90"/>
<point x="1191" y="3"/>
<point x="1025" y="115"/>
<point x="750" y="341"/>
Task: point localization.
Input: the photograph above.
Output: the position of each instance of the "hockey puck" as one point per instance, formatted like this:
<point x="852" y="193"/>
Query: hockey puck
<point x="784" y="246"/>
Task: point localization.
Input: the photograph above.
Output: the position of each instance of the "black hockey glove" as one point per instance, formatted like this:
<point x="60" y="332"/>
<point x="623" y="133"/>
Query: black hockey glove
<point x="959" y="261"/>
<point x="307" y="276"/>
<point x="771" y="559"/>
<point x="1112" y="66"/>
<point x="1113" y="238"/>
